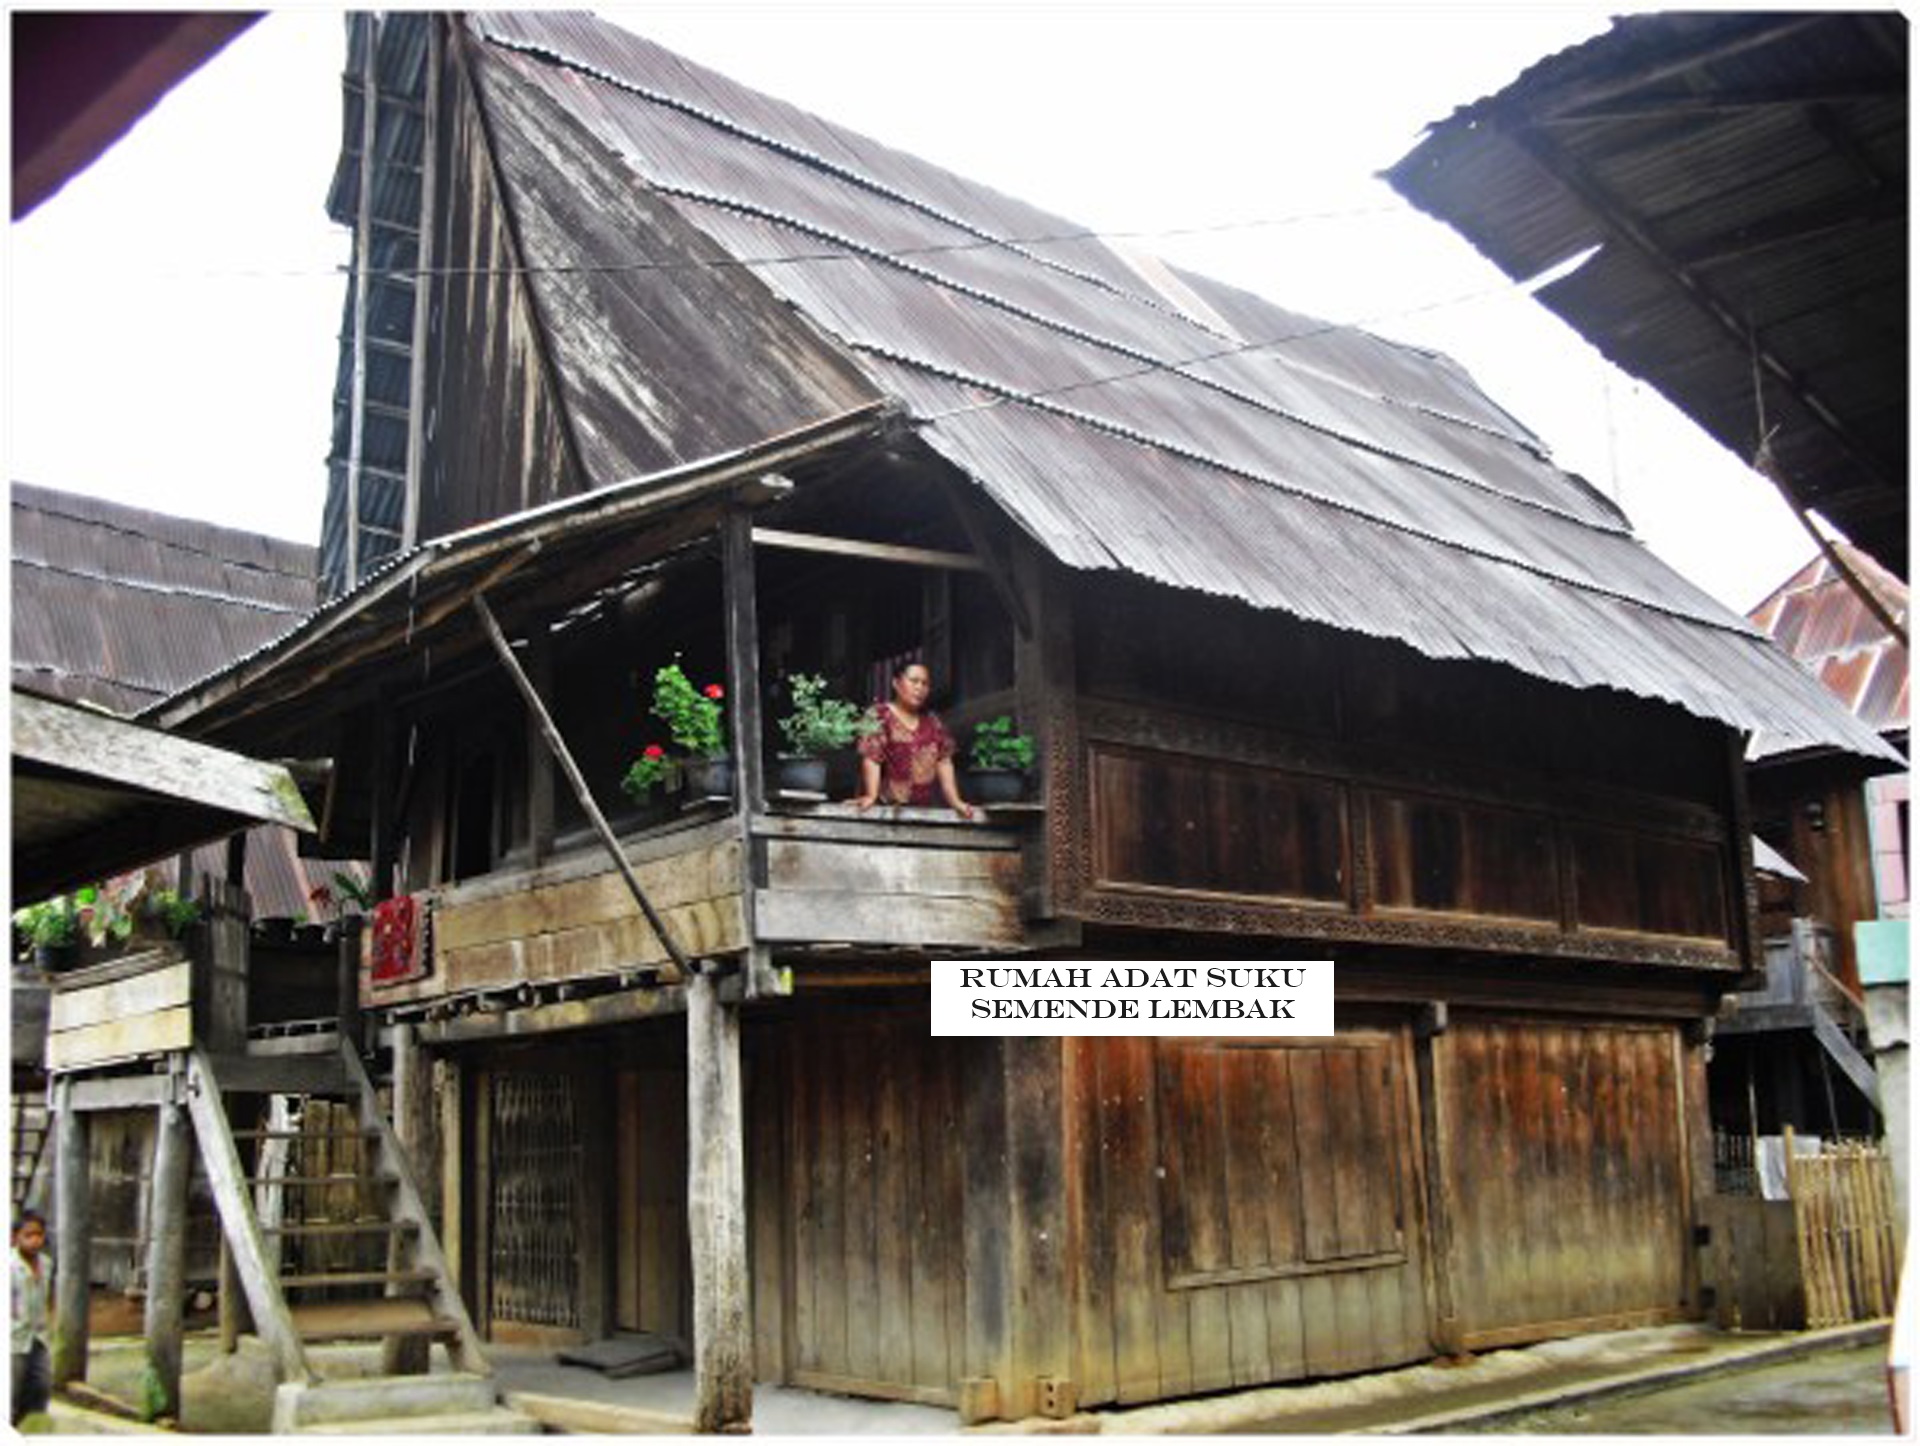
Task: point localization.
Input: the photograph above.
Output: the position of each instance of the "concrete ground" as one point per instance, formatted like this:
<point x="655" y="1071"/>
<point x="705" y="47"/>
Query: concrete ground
<point x="1559" y="1386"/>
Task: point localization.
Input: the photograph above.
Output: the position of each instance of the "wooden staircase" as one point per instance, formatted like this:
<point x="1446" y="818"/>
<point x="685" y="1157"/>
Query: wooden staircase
<point x="29" y="1143"/>
<point x="413" y="1299"/>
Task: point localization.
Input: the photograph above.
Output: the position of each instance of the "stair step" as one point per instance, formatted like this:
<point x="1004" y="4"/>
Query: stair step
<point x="306" y="1134"/>
<point x="345" y="1227"/>
<point x="357" y="1319"/>
<point x="298" y="1405"/>
<point x="497" y="1422"/>
<point x="421" y="1276"/>
<point x="305" y="1182"/>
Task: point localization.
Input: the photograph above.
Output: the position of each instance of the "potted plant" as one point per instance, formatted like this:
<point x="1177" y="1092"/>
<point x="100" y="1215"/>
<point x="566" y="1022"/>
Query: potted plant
<point x="173" y="912"/>
<point x="52" y="929"/>
<point x="695" y="719"/>
<point x="998" y="762"/>
<point x="818" y="725"/>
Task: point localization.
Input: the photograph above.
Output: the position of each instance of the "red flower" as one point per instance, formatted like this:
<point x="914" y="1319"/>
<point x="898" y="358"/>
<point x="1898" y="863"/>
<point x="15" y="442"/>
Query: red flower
<point x="715" y="692"/>
<point x="654" y="750"/>
<point x="321" y="895"/>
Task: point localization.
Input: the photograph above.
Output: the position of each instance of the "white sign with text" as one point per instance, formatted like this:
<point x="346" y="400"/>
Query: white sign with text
<point x="1130" y="996"/>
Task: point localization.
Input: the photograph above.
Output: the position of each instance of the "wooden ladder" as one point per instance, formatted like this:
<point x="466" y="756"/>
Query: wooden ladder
<point x="413" y="1297"/>
<point x="29" y="1143"/>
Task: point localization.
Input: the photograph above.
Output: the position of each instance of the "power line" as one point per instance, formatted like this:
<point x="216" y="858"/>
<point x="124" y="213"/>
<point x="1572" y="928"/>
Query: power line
<point x="612" y="268"/>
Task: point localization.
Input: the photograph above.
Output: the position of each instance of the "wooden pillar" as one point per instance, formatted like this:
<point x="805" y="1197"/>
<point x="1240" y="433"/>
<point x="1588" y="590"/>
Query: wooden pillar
<point x="347" y="978"/>
<point x="413" y="1126"/>
<point x="73" y="1236"/>
<point x="1046" y="692"/>
<point x="235" y="1319"/>
<point x="167" y="1262"/>
<point x="540" y="795"/>
<point x="986" y="1372"/>
<point x="717" y="1213"/>
<point x="743" y="659"/>
<point x="448" y="1089"/>
<point x="1431" y="1054"/>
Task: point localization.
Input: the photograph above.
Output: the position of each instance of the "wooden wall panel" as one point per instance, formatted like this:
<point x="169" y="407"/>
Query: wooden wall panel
<point x="1567" y="1176"/>
<point x="1648" y="884"/>
<point x="1181" y="822"/>
<point x="1248" y="1214"/>
<point x="1447" y="856"/>
<point x="652" y="1288"/>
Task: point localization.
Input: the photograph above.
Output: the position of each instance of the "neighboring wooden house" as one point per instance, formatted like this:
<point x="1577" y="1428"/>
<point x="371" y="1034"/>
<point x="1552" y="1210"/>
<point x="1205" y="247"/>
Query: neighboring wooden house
<point x="1790" y="1056"/>
<point x="1323" y="656"/>
<point x="114" y="607"/>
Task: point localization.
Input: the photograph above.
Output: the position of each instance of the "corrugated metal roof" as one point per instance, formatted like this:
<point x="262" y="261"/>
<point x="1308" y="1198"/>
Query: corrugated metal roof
<point x="1817" y="618"/>
<point x="1746" y="177"/>
<point x="1292" y="464"/>
<point x="119" y="606"/>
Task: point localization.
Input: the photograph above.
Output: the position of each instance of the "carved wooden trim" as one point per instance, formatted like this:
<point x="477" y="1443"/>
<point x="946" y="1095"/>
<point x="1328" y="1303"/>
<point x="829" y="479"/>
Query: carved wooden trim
<point x="1163" y="911"/>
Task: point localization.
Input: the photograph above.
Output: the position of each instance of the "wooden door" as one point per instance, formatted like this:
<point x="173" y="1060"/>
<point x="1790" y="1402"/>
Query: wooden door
<point x="1562" y="1160"/>
<point x="1249" y="1212"/>
<point x="873" y="1304"/>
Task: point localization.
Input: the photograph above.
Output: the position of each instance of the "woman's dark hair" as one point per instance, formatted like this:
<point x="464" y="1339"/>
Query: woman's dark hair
<point x="900" y="668"/>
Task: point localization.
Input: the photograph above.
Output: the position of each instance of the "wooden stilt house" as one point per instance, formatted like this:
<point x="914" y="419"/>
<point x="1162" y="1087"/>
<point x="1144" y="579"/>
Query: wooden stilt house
<point x="1322" y="656"/>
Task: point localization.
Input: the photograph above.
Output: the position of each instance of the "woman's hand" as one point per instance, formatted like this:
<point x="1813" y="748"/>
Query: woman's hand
<point x="864" y="801"/>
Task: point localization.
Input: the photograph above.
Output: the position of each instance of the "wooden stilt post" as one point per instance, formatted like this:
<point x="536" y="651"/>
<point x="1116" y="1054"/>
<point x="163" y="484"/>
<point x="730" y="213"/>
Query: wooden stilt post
<point x="73" y="1236"/>
<point x="234" y="1319"/>
<point x="413" y="1125"/>
<point x="167" y="1262"/>
<point x="716" y="1213"/>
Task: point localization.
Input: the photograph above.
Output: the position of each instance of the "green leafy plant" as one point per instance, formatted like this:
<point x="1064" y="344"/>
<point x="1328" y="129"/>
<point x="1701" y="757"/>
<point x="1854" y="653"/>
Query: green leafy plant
<point x="51" y="924"/>
<point x="107" y="911"/>
<point x="353" y="891"/>
<point x="694" y="716"/>
<point x="819" y="722"/>
<point x="646" y="772"/>
<point x="175" y="913"/>
<point x="996" y="745"/>
<point x="695" y="719"/>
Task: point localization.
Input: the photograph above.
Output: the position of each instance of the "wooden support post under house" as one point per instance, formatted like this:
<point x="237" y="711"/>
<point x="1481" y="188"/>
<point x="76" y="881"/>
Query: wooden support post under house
<point x="986" y="1355"/>
<point x="347" y="978"/>
<point x="564" y="757"/>
<point x="237" y="860"/>
<point x="167" y="1259"/>
<point x="413" y="1126"/>
<point x="73" y="1235"/>
<point x="448" y="1091"/>
<point x="717" y="1213"/>
<point x="1046" y="693"/>
<point x="235" y="1320"/>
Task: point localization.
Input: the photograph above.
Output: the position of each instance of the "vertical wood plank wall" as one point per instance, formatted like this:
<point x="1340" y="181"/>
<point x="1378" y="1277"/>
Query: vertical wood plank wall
<point x="1567" y="1174"/>
<point x="873" y="1279"/>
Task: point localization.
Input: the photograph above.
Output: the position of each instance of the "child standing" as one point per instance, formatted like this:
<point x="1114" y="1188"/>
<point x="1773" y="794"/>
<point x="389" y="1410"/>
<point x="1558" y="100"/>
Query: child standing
<point x="32" y="1371"/>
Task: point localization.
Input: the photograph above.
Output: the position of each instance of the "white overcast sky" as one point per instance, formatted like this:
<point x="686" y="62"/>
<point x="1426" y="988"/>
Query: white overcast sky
<point x="173" y="312"/>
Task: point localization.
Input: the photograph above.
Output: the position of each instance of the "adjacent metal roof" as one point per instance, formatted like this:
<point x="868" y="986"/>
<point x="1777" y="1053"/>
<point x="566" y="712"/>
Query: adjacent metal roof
<point x="1745" y="176"/>
<point x="118" y="606"/>
<point x="1821" y="621"/>
<point x="1160" y="424"/>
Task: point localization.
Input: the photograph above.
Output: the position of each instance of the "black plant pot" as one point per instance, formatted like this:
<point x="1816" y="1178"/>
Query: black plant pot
<point x="310" y="933"/>
<point x="52" y="958"/>
<point x="995" y="785"/>
<point x="802" y="775"/>
<point x="275" y="930"/>
<point x="708" y="778"/>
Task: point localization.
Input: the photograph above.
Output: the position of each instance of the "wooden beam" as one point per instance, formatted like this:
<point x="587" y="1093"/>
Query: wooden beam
<point x="167" y="1261"/>
<point x="228" y="1179"/>
<point x="72" y="1235"/>
<point x="600" y="1012"/>
<point x="423" y="295"/>
<point x="869" y="551"/>
<point x="717" y="1213"/>
<point x="564" y="758"/>
<point x="362" y="285"/>
<point x="540" y="791"/>
<point x="413" y="1128"/>
<point x="132" y="1092"/>
<point x="998" y="569"/>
